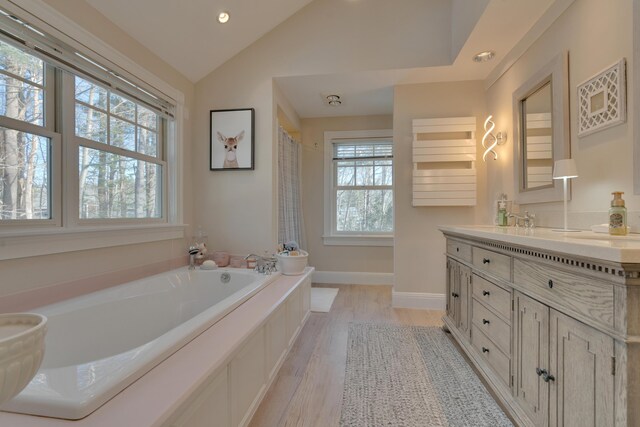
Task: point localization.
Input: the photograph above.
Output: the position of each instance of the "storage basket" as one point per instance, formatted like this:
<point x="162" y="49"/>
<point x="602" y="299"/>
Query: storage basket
<point x="292" y="265"/>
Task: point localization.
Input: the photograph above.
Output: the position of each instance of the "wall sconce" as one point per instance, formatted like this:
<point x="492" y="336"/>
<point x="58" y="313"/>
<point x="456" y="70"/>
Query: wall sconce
<point x="565" y="169"/>
<point x="490" y="141"/>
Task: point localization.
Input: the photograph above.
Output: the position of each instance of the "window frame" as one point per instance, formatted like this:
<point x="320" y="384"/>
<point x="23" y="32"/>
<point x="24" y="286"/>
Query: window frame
<point x="18" y="240"/>
<point x="331" y="235"/>
<point x="74" y="142"/>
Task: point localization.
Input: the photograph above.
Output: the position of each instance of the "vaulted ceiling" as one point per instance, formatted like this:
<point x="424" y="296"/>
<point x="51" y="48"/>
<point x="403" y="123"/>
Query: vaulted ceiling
<point x="408" y="41"/>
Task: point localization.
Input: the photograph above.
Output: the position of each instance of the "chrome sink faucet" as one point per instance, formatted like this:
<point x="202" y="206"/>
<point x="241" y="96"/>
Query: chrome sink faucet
<point x="263" y="265"/>
<point x="193" y="251"/>
<point x="526" y="221"/>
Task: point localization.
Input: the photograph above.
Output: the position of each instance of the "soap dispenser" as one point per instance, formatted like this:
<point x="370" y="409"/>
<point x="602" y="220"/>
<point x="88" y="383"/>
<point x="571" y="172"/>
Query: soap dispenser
<point x="618" y="215"/>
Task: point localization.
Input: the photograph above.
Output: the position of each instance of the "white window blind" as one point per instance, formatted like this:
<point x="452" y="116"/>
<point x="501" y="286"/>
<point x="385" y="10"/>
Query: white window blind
<point x="17" y="31"/>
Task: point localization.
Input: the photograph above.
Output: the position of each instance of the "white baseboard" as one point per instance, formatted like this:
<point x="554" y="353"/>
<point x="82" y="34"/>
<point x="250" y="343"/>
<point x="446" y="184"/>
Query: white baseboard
<point x="419" y="300"/>
<point x="352" y="278"/>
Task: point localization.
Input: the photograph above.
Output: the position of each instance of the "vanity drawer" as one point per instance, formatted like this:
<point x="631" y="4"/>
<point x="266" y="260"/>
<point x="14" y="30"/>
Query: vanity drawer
<point x="492" y="295"/>
<point x="492" y="262"/>
<point x="496" y="329"/>
<point x="583" y="295"/>
<point x="458" y="249"/>
<point x="500" y="363"/>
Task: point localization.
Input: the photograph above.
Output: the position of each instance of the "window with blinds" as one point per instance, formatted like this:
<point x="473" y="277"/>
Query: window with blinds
<point x="363" y="187"/>
<point x="113" y="129"/>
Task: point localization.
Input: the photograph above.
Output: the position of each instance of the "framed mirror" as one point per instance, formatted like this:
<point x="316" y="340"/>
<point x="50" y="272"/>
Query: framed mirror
<point x="541" y="131"/>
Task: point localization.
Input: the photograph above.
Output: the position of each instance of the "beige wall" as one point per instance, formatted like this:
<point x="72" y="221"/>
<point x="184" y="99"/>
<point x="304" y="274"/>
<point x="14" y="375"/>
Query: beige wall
<point x="419" y="263"/>
<point x="597" y="34"/>
<point x="334" y="258"/>
<point x="24" y="274"/>
<point x="238" y="208"/>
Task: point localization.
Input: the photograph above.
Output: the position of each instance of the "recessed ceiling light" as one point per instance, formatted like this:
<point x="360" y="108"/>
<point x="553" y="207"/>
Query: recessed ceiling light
<point x="331" y="98"/>
<point x="335" y="103"/>
<point x="223" y="17"/>
<point x="485" y="56"/>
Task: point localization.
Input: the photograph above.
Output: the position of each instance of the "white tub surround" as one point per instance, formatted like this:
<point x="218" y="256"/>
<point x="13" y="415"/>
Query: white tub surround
<point x="551" y="320"/>
<point x="251" y="340"/>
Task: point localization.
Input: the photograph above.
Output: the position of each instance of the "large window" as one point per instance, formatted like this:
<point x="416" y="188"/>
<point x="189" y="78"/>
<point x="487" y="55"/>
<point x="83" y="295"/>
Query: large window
<point x="359" y="177"/>
<point x="113" y="147"/>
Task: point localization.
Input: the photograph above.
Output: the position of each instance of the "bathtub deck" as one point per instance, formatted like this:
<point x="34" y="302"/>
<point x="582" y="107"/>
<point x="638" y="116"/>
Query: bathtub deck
<point x="308" y="389"/>
<point x="153" y="398"/>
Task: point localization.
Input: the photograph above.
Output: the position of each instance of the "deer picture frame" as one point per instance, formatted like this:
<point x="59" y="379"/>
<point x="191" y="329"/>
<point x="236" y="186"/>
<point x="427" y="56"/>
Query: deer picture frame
<point x="232" y="139"/>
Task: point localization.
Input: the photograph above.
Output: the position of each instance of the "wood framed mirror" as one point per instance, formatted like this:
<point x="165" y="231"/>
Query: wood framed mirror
<point x="541" y="131"/>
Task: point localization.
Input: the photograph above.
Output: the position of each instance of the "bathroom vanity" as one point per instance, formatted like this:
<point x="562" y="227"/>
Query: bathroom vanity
<point x="551" y="320"/>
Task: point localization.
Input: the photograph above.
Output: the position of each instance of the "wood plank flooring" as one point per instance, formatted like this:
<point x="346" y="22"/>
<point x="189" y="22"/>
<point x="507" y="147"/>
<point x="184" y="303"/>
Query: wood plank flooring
<point x="308" y="388"/>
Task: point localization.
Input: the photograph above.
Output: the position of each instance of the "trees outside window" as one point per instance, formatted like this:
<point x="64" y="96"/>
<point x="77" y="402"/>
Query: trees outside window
<point x="117" y="141"/>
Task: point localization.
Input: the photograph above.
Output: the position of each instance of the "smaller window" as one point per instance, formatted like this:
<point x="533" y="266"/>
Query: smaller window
<point x="361" y="187"/>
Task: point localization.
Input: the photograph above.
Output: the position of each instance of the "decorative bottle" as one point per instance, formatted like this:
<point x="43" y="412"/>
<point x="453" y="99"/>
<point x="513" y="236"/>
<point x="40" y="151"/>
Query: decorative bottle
<point x="617" y="215"/>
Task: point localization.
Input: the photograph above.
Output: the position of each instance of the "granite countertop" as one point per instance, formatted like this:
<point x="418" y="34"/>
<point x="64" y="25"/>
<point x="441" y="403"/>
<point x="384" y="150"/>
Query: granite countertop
<point x="619" y="249"/>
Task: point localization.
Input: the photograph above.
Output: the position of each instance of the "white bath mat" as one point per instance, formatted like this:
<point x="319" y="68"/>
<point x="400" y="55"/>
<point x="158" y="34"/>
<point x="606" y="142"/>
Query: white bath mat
<point x="322" y="299"/>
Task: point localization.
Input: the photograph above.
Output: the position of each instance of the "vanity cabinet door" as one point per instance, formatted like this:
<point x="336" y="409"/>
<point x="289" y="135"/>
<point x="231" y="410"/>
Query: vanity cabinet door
<point x="582" y="365"/>
<point x="464" y="286"/>
<point x="453" y="290"/>
<point x="532" y="358"/>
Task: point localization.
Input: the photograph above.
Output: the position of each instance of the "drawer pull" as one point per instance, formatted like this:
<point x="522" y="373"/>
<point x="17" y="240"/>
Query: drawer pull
<point x="485" y="350"/>
<point x="485" y="322"/>
<point x="546" y="376"/>
<point x="550" y="283"/>
<point x="455" y="295"/>
<point x="486" y="260"/>
<point x="486" y="293"/>
<point x="457" y="249"/>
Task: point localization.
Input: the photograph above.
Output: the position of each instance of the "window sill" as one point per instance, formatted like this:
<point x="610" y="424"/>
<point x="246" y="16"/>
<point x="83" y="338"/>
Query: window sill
<point x="23" y="244"/>
<point x="358" y="240"/>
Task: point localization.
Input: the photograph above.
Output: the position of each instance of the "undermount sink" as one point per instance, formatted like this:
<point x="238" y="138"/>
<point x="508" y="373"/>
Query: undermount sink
<point x="21" y="351"/>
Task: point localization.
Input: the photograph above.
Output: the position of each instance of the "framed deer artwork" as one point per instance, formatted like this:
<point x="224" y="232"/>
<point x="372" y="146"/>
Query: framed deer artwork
<point x="232" y="139"/>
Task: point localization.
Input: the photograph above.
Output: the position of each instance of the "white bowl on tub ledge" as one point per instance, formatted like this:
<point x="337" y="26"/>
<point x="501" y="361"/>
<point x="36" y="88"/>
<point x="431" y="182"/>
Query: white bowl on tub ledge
<point x="21" y="351"/>
<point x="292" y="265"/>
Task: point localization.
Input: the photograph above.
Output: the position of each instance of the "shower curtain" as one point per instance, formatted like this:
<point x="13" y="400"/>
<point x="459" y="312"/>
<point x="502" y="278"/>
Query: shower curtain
<point x="290" y="220"/>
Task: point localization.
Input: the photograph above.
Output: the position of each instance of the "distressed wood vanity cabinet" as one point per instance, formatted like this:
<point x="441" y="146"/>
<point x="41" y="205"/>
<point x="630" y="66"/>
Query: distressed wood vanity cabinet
<point x="552" y="322"/>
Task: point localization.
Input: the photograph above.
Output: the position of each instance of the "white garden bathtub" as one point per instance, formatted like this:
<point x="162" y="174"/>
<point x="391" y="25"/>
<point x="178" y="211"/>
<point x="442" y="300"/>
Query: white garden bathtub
<point x="99" y="343"/>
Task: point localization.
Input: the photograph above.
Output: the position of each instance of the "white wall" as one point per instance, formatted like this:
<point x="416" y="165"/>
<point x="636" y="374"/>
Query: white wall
<point x="24" y="274"/>
<point x="419" y="262"/>
<point x="597" y="34"/>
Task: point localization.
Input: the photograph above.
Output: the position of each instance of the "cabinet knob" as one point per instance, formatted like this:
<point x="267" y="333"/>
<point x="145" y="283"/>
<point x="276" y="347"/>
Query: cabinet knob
<point x="455" y="295"/>
<point x="485" y="322"/>
<point x="486" y="293"/>
<point x="550" y="283"/>
<point x="457" y="249"/>
<point x="486" y="260"/>
<point x="546" y="376"/>
<point x="485" y="350"/>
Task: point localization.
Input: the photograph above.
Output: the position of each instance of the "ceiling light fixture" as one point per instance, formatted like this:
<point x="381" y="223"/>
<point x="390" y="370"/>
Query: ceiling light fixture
<point x="485" y="56"/>
<point x="223" y="17"/>
<point x="333" y="100"/>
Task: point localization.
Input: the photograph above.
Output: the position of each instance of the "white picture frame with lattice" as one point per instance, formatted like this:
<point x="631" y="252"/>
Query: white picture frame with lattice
<point x="602" y="100"/>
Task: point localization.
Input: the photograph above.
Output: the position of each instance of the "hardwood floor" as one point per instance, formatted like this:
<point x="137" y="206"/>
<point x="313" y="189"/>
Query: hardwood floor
<point x="308" y="388"/>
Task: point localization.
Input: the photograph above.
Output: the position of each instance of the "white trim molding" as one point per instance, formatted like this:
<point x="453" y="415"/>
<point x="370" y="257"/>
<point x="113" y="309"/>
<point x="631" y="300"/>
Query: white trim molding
<point x="53" y="241"/>
<point x="359" y="240"/>
<point x="420" y="300"/>
<point x="352" y="278"/>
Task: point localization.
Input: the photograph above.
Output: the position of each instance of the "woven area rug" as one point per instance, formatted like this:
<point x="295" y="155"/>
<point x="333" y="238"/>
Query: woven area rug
<point x="412" y="376"/>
